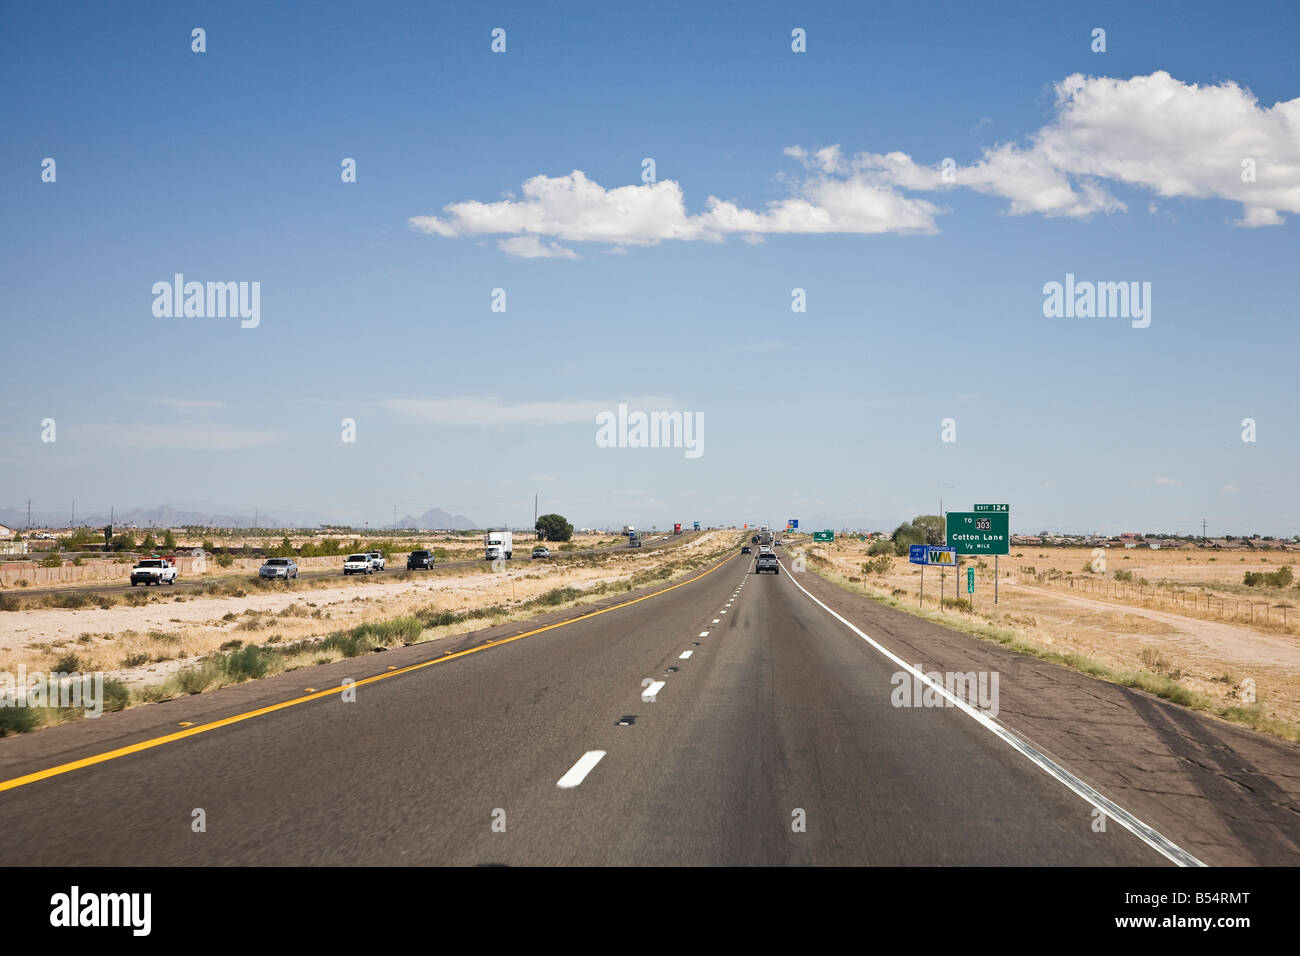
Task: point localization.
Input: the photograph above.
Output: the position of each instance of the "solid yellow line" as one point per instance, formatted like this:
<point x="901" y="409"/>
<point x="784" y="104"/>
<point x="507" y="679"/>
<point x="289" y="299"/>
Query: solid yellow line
<point x="261" y="711"/>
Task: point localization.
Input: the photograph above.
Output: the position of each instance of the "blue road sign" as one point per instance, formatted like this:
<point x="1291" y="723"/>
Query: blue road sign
<point x="919" y="554"/>
<point x="794" y="522"/>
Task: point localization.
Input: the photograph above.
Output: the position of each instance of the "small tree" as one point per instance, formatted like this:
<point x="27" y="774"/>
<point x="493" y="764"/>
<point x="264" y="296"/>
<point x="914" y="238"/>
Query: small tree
<point x="169" y="540"/>
<point x="553" y="527"/>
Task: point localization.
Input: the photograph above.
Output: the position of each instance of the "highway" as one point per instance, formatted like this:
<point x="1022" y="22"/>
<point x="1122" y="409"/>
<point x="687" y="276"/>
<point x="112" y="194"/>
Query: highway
<point x="771" y="739"/>
<point x="200" y="583"/>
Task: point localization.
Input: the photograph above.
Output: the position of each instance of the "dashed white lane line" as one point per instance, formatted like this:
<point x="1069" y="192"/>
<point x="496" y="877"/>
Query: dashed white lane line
<point x="650" y="690"/>
<point x="685" y="654"/>
<point x="578" y="772"/>
<point x="717" y="620"/>
<point x="704" y="633"/>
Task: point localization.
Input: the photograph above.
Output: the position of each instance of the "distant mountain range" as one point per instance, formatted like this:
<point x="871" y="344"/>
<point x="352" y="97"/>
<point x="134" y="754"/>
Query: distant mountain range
<point x="441" y="520"/>
<point x="170" y="516"/>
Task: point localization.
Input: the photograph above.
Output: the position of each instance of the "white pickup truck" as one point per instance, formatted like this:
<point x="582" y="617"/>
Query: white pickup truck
<point x="153" y="571"/>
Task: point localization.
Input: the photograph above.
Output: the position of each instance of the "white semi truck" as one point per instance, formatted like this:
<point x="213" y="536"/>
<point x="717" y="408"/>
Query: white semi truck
<point x="498" y="544"/>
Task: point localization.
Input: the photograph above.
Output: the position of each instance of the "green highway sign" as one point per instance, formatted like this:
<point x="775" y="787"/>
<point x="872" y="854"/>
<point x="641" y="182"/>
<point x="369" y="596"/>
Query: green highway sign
<point x="979" y="532"/>
<point x="991" y="508"/>
<point x="823" y="535"/>
<point x="970" y="580"/>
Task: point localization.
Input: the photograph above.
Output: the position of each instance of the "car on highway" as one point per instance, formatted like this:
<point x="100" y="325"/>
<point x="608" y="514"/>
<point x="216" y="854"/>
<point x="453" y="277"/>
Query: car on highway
<point x="764" y="549"/>
<point x="766" y="562"/>
<point x="420" y="561"/>
<point x="541" y="552"/>
<point x="746" y="549"/>
<point x="278" y="568"/>
<point x="776" y="544"/>
<point x="376" y="559"/>
<point x="154" y="571"/>
<point x="358" y="564"/>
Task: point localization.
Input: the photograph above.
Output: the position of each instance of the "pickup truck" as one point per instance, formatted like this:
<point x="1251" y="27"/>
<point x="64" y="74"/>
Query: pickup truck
<point x="153" y="571"/>
<point x="766" y="561"/>
<point x="376" y="560"/>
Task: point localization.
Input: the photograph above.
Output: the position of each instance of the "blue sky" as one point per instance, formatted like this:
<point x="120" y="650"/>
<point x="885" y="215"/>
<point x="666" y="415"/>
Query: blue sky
<point x="225" y="166"/>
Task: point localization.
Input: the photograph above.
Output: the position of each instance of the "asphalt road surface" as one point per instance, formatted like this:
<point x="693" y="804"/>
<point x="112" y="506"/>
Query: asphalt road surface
<point x="773" y="740"/>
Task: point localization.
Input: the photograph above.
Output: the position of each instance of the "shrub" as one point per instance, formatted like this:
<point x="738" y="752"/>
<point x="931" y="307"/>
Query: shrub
<point x="135" y="660"/>
<point x="52" y="560"/>
<point x="116" y="696"/>
<point x="880" y="565"/>
<point x="225" y="560"/>
<point x="17" y="720"/>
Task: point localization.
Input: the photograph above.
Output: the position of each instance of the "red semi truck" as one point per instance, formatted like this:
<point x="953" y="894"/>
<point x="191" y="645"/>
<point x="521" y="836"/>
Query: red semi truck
<point x="677" y="529"/>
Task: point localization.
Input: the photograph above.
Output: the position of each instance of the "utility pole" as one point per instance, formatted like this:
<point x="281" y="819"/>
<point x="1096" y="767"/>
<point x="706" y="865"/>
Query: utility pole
<point x="29" y="514"/>
<point x="1202" y="529"/>
<point x="73" y="522"/>
<point x="534" y="511"/>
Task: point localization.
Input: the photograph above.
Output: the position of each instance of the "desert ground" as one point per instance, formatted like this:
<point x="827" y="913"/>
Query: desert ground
<point x="1183" y="614"/>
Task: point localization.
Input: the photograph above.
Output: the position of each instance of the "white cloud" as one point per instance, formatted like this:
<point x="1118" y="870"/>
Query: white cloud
<point x="1231" y="489"/>
<point x="576" y="209"/>
<point x="763" y="347"/>
<point x="188" y="404"/>
<point x="1152" y="132"/>
<point x="189" y="437"/>
<point x="1161" y="482"/>
<point x="530" y="247"/>
<point x="490" y="410"/>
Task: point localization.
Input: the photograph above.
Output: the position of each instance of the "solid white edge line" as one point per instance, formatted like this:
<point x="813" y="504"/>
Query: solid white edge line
<point x="1144" y="832"/>
<point x="578" y="772"/>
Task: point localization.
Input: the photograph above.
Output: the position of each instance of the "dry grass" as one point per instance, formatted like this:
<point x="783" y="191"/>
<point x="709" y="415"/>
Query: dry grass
<point x="1127" y="636"/>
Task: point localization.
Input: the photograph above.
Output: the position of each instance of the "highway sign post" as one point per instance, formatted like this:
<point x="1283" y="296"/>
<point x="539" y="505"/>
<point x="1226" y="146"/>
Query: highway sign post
<point x="794" y="522"/>
<point x="920" y="554"/>
<point x="823" y="535"/>
<point x="1005" y="509"/>
<point x="970" y="586"/>
<point x="986" y="530"/>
